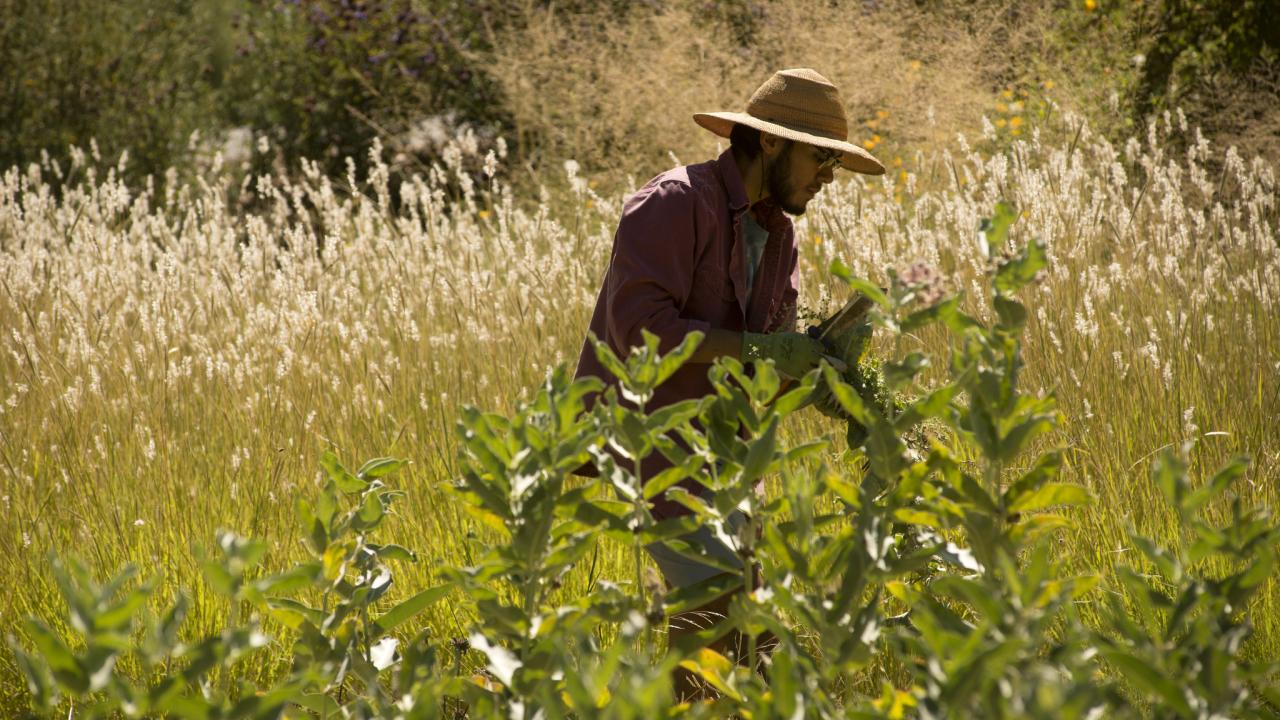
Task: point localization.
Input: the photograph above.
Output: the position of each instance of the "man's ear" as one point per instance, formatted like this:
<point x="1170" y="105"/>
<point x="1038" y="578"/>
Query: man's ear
<point x="771" y="145"/>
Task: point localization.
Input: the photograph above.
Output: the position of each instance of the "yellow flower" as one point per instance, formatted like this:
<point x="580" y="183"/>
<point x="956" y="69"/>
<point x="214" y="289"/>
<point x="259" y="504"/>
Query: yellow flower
<point x="1048" y="84"/>
<point x="873" y="124"/>
<point x="1015" y="121"/>
<point x="1001" y="107"/>
<point x="817" y="239"/>
<point x="914" y="65"/>
<point x="1000" y="122"/>
<point x="875" y="139"/>
<point x="1007" y="94"/>
<point x="1090" y="5"/>
<point x="902" y="176"/>
<point x="869" y="144"/>
<point x="897" y="161"/>
<point x="1015" y="131"/>
<point x="882" y="114"/>
<point x="483" y="214"/>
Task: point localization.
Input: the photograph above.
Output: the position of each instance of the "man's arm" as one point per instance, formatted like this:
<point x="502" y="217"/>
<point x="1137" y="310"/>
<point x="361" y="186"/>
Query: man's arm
<point x="718" y="343"/>
<point x="651" y="272"/>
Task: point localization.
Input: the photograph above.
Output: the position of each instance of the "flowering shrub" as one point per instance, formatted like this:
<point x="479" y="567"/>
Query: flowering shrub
<point x="944" y="571"/>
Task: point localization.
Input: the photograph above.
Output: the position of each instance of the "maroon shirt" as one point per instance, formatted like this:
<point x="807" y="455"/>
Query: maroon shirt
<point x="678" y="266"/>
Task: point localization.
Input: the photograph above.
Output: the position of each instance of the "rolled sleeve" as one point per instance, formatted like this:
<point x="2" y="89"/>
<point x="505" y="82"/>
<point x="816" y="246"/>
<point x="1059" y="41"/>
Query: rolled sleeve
<point x="651" y="274"/>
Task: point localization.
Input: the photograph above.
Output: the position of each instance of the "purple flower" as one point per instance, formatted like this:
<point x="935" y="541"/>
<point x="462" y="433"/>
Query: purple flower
<point x="924" y="279"/>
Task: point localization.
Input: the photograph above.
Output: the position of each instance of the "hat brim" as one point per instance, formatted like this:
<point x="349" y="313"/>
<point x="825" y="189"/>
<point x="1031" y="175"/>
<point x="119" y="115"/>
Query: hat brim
<point x="852" y="157"/>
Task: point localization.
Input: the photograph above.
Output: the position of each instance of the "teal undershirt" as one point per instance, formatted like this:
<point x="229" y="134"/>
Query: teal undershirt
<point x="755" y="237"/>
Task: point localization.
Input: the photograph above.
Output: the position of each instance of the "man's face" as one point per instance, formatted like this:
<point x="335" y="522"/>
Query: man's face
<point x="797" y="175"/>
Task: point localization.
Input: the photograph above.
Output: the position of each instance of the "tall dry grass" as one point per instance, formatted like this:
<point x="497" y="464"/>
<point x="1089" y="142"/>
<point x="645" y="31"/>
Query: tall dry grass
<point x="615" y="90"/>
<point x="170" y="364"/>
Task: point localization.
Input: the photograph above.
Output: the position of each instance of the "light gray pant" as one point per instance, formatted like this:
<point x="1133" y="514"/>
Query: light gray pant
<point x="680" y="571"/>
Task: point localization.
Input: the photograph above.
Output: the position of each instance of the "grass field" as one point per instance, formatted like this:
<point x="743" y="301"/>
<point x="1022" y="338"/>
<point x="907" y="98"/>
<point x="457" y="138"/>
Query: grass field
<point x="173" y="363"/>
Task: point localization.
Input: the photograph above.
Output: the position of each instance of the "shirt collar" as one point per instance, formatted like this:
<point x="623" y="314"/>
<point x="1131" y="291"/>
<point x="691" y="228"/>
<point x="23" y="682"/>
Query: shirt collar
<point x="732" y="178"/>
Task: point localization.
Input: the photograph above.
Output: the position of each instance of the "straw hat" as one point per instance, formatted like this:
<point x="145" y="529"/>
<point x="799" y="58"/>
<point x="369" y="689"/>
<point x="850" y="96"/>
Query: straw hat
<point x="798" y="105"/>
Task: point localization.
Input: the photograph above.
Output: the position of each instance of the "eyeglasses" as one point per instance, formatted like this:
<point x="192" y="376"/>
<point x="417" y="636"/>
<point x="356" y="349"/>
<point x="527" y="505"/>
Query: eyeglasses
<point x="828" y="158"/>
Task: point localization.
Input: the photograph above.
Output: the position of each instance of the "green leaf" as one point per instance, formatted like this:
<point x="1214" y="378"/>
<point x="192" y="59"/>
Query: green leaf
<point x="995" y="229"/>
<point x="54" y="652"/>
<point x="39" y="683"/>
<point x="319" y="703"/>
<point x="341" y="477"/>
<point x="673" y="360"/>
<point x="898" y="373"/>
<point x="313" y="529"/>
<point x="691" y="597"/>
<point x="1145" y="677"/>
<point x="1052" y="494"/>
<point x="121" y="615"/>
<point x="293" y="613"/>
<point x="947" y="312"/>
<point x="394" y="552"/>
<point x="1020" y="271"/>
<point x="866" y="287"/>
<point x="1169" y="472"/>
<point x="380" y="467"/>
<point x="1011" y="313"/>
<point x="917" y="517"/>
<point x="1045" y="469"/>
<point x="411" y="607"/>
<point x="761" y="452"/>
<point x="1223" y="479"/>
<point x="607" y="358"/>
<point x="371" y="510"/>
<point x="659" y="483"/>
<point x="297" y="578"/>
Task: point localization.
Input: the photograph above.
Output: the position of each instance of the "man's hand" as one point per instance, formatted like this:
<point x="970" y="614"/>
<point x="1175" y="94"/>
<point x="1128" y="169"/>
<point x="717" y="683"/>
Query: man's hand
<point x="824" y="401"/>
<point x="794" y="354"/>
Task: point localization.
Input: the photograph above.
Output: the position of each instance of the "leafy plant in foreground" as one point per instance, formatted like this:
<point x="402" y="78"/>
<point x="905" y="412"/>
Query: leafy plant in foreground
<point x="891" y="582"/>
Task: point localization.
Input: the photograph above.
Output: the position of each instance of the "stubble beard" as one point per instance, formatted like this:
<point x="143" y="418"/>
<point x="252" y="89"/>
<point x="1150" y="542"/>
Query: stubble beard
<point x="781" y="187"/>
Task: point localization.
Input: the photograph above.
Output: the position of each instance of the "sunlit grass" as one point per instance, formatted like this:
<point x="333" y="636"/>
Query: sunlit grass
<point x="171" y="365"/>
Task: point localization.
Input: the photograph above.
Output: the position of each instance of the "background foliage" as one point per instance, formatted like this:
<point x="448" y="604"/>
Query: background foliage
<point x="322" y="78"/>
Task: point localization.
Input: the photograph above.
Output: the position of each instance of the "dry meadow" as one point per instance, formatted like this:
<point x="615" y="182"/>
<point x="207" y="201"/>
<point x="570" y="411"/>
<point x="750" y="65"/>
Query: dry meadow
<point x="173" y="361"/>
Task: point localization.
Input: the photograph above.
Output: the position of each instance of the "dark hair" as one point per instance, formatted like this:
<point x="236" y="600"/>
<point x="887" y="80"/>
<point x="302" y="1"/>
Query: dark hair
<point x="745" y="140"/>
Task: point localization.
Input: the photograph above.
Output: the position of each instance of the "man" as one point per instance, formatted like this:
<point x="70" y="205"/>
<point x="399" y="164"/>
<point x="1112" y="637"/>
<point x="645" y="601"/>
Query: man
<point x="709" y="247"/>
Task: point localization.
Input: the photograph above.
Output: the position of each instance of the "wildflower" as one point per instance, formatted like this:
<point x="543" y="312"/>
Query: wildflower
<point x="139" y="522"/>
<point x="1007" y="94"/>
<point x="1015" y="121"/>
<point x="914" y="65"/>
<point x="1002" y="107"/>
<point x="1000" y="122"/>
<point x="882" y="114"/>
<point x="817" y="239"/>
<point x="1090" y="5"/>
<point x="924" y="279"/>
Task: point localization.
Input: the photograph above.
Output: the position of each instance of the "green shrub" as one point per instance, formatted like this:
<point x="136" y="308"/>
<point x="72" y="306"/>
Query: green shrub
<point x="135" y="76"/>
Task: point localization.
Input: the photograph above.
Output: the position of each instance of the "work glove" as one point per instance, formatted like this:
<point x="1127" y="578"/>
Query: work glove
<point x="792" y="353"/>
<point x="825" y="402"/>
